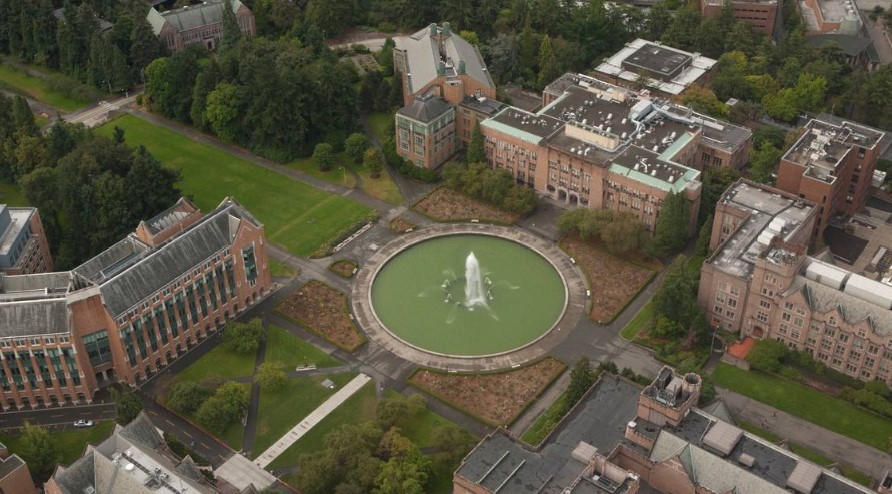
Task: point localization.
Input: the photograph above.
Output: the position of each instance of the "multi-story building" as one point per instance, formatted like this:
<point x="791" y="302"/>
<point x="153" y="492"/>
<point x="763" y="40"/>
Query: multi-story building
<point x="15" y="478"/>
<point x="130" y="310"/>
<point x="135" y="459"/>
<point x="446" y="91"/>
<point x="23" y="245"/>
<point x="760" y="14"/>
<point x="651" y="66"/>
<point x="201" y="23"/>
<point x="602" y="146"/>
<point x="759" y="282"/>
<point x="621" y="439"/>
<point x="831" y="165"/>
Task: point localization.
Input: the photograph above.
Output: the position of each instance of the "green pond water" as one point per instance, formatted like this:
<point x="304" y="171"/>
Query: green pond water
<point x="525" y="295"/>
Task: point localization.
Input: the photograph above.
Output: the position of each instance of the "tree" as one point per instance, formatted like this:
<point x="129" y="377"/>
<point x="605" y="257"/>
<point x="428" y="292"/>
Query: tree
<point x="323" y="155"/>
<point x="224" y="407"/>
<point x="766" y="355"/>
<point x="659" y="18"/>
<point x="355" y="146"/>
<point x="703" y="100"/>
<point x="271" y="376"/>
<point x="231" y="32"/>
<point x="144" y="45"/>
<point x="451" y="442"/>
<point x="332" y="16"/>
<point x="549" y="70"/>
<point x="703" y="237"/>
<point x="39" y="450"/>
<point x="222" y="111"/>
<point x="243" y="338"/>
<point x="118" y="137"/>
<point x="769" y="133"/>
<point x="763" y="162"/>
<point x="373" y="161"/>
<point x="623" y="233"/>
<point x="476" y="152"/>
<point x="406" y="470"/>
<point x="582" y="377"/>
<point x="186" y="397"/>
<point x="22" y="117"/>
<point x="683" y="32"/>
<point x="395" y="410"/>
<point x="127" y="405"/>
<point x="672" y="228"/>
<point x="470" y="37"/>
<point x="716" y="181"/>
<point x="676" y="299"/>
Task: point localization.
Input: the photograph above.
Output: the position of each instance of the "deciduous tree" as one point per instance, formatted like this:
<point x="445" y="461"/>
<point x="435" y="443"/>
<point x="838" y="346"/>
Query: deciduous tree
<point x="39" y="450"/>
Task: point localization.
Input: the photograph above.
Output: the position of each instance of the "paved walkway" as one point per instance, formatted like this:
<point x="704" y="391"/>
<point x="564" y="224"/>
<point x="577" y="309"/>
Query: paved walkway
<point x="311" y="420"/>
<point x="240" y="472"/>
<point x="830" y="444"/>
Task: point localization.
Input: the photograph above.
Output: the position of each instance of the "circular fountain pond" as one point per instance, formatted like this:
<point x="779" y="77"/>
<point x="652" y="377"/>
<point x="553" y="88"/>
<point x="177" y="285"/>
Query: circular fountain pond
<point x="468" y="295"/>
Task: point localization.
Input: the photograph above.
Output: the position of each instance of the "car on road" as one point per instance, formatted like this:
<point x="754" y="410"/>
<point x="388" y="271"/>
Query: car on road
<point x="83" y="423"/>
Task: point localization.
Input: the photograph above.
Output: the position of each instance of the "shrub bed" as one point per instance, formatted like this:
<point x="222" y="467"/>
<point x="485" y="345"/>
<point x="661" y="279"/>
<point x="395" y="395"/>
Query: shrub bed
<point x="323" y="310"/>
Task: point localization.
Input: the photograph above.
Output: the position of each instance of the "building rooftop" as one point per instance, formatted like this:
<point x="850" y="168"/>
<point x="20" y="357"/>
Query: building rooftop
<point x="851" y="45"/>
<point x="825" y="143"/>
<point x="484" y="105"/>
<point x="666" y="69"/>
<point x="770" y="213"/>
<point x="34" y="286"/>
<point x="12" y="222"/>
<point x="191" y="16"/>
<point x="531" y="127"/>
<point x="425" y="108"/>
<point x="428" y="48"/>
<point x="722" y="135"/>
<point x="44" y="316"/>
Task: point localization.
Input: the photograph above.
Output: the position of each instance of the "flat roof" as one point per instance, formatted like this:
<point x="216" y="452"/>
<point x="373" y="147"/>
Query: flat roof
<point x="19" y="217"/>
<point x="658" y="59"/>
<point x="825" y="143"/>
<point x="616" y="65"/>
<point x="525" y="125"/>
<point x="737" y="255"/>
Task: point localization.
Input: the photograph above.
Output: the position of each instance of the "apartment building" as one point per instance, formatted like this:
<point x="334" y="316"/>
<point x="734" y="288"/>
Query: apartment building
<point x="23" y="245"/>
<point x="603" y="146"/>
<point x="760" y="282"/>
<point x="132" y="309"/>
<point x="831" y="165"/>
<point x="201" y="23"/>
<point x="446" y="91"/>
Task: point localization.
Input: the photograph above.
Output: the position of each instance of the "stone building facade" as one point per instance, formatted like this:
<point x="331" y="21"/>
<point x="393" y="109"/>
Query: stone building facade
<point x="23" y="245"/>
<point x="132" y="309"/>
<point x="202" y="23"/>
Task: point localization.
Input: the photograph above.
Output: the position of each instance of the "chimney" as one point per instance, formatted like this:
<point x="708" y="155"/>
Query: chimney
<point x="461" y="66"/>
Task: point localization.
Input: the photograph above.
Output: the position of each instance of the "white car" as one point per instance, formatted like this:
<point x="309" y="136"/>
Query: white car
<point x="83" y="423"/>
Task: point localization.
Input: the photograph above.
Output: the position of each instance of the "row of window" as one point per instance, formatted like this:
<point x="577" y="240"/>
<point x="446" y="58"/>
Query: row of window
<point x="40" y="366"/>
<point x="33" y="341"/>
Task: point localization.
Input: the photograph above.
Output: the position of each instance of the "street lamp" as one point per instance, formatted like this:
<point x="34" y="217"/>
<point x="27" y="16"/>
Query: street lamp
<point x="344" y="171"/>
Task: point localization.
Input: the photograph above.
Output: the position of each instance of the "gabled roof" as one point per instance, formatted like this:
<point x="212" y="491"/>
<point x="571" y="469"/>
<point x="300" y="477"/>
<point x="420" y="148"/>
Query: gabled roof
<point x="141" y="431"/>
<point x="190" y="17"/>
<point x="854" y="310"/>
<point x="425" y="108"/>
<point x="34" y="317"/>
<point x="162" y="266"/>
<point x="850" y="45"/>
<point x="423" y="56"/>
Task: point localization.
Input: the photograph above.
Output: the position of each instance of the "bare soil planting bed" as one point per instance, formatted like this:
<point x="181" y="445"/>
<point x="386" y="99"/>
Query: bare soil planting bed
<point x="400" y="224"/>
<point x="323" y="309"/>
<point x="497" y="399"/>
<point x="447" y="205"/>
<point x="344" y="267"/>
<point x="614" y="281"/>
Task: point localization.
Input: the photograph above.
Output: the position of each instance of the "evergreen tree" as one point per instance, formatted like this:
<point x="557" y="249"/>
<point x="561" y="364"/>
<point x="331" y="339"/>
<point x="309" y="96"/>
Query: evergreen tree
<point x="528" y="47"/>
<point x="206" y="81"/>
<point x="703" y="237"/>
<point x="549" y="70"/>
<point x="476" y="152"/>
<point x="673" y="225"/>
<point x="127" y="406"/>
<point x="231" y="32"/>
<point x="676" y="299"/>
<point x="22" y="117"/>
<point x="581" y="379"/>
<point x="144" y="47"/>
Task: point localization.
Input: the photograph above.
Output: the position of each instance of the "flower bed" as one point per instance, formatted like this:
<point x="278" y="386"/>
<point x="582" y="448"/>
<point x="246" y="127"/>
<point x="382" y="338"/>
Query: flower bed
<point x="447" y="205"/>
<point x="343" y="267"/>
<point x="400" y="225"/>
<point x="496" y="399"/>
<point x="323" y="310"/>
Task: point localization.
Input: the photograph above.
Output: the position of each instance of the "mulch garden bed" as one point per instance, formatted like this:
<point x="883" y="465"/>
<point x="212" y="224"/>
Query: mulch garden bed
<point x="323" y="310"/>
<point x="400" y="225"/>
<point x="447" y="205"/>
<point x="497" y="399"/>
<point x="343" y="267"/>
<point x="614" y="281"/>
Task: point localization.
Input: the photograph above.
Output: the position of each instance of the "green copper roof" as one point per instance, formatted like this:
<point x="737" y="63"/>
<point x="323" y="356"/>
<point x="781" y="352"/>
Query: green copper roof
<point x="676" y="146"/>
<point x="491" y="123"/>
<point x="677" y="186"/>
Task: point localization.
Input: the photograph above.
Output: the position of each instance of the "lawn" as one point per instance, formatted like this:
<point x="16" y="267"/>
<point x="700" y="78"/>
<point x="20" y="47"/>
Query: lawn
<point x="380" y="123"/>
<point x="70" y="444"/>
<point x="291" y="351"/>
<point x="640" y="321"/>
<point x="334" y="176"/>
<point x="278" y="269"/>
<point x="296" y="216"/>
<point x="11" y="195"/>
<point x="37" y="88"/>
<point x="279" y="411"/>
<point x="826" y="411"/>
<point x="217" y="365"/>
<point x="546" y="422"/>
<point x="357" y="409"/>
<point x="383" y="187"/>
<point x="808" y="454"/>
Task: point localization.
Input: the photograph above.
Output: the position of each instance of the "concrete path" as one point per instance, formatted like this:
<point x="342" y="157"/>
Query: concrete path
<point x="877" y="33"/>
<point x="240" y="472"/>
<point x="830" y="444"/>
<point x="311" y="420"/>
<point x="98" y="114"/>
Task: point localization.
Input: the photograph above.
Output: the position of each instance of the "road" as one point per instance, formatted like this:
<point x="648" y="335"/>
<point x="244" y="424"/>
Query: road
<point x="99" y="113"/>
<point x="62" y="417"/>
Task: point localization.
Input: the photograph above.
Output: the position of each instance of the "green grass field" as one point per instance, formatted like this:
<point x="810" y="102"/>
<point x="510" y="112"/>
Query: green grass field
<point x="826" y="411"/>
<point x="380" y="123"/>
<point x="639" y="322"/>
<point x="11" y="195"/>
<point x="291" y="351"/>
<point x="277" y="268"/>
<point x="38" y="89"/>
<point x="70" y="444"/>
<point x="382" y="187"/>
<point x="296" y="216"/>
<point x="546" y="422"/>
<point x="280" y="411"/>
<point x="217" y="365"/>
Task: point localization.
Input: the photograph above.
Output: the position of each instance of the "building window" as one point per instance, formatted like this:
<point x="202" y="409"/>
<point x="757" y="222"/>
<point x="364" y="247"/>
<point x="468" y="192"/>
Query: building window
<point x="97" y="347"/>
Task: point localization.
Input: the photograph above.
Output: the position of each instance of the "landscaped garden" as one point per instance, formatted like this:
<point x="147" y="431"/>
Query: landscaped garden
<point x="614" y="281"/>
<point x="37" y="88"/>
<point x="323" y="310"/>
<point x="295" y="215"/>
<point x="401" y="225"/>
<point x="447" y="205"/>
<point x="494" y="398"/>
<point x="825" y="411"/>
<point x="343" y="267"/>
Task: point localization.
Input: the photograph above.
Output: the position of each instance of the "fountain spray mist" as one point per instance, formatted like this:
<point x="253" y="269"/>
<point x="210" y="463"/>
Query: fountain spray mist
<point x="475" y="291"/>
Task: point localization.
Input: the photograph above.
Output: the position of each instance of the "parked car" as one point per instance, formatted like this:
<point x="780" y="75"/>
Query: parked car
<point x="83" y="423"/>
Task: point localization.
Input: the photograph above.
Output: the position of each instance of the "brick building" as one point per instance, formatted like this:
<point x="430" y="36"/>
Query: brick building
<point x="760" y="14"/>
<point x="132" y="309"/>
<point x="23" y="245"/>
<point x="602" y="146"/>
<point x="759" y="282"/>
<point x="665" y="71"/>
<point x="446" y="91"/>
<point x="15" y="478"/>
<point x="622" y="439"/>
<point x="202" y="23"/>
<point x="831" y="165"/>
